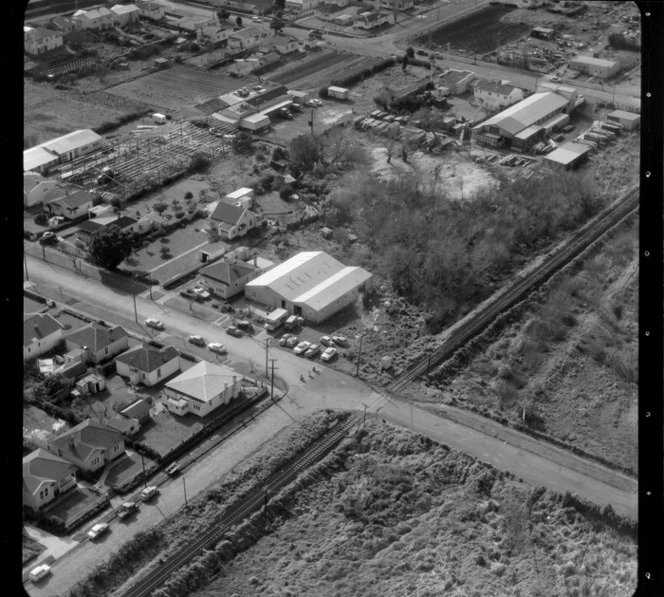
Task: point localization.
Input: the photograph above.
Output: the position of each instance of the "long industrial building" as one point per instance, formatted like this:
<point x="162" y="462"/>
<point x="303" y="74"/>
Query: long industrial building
<point x="311" y="284"/>
<point x="522" y="125"/>
<point x="44" y="156"/>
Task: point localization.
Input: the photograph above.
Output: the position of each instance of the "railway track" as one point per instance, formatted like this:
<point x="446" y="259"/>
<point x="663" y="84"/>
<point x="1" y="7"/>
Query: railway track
<point x="520" y="289"/>
<point x="243" y="509"/>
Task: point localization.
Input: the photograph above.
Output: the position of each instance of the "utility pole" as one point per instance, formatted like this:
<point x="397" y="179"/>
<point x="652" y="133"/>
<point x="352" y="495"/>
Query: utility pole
<point x="184" y="485"/>
<point x="25" y="261"/>
<point x="359" y="356"/>
<point x="272" y="380"/>
<point x="145" y="478"/>
<point x="311" y="122"/>
<point x="364" y="421"/>
<point x="267" y="344"/>
<point x="135" y="311"/>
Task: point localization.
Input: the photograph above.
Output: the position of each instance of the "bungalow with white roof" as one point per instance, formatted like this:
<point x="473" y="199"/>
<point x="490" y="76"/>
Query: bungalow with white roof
<point x="245" y="39"/>
<point x="151" y="10"/>
<point x="202" y="389"/>
<point x="371" y="20"/>
<point x="282" y="44"/>
<point x="45" y="477"/>
<point x="124" y="14"/>
<point x="96" y="18"/>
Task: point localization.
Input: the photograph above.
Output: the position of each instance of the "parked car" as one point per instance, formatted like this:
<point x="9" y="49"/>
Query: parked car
<point x="149" y="492"/>
<point x="151" y="322"/>
<point x="217" y="347"/>
<point x="245" y="325"/>
<point x="233" y="331"/>
<point x="256" y="19"/>
<point x="98" y="530"/>
<point x="284" y="339"/>
<point x="313" y="103"/>
<point x="292" y="341"/>
<point x="127" y="508"/>
<point x="39" y="572"/>
<point x="328" y="354"/>
<point x="173" y="469"/>
<point x="326" y="341"/>
<point x="197" y="340"/>
<point x="340" y="340"/>
<point x="302" y="347"/>
<point x="201" y="292"/>
<point x="312" y="351"/>
<point x="48" y="238"/>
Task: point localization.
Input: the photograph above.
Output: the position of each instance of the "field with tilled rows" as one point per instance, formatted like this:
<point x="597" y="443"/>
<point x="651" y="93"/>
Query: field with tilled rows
<point x="49" y="112"/>
<point x="319" y="70"/>
<point x="172" y="88"/>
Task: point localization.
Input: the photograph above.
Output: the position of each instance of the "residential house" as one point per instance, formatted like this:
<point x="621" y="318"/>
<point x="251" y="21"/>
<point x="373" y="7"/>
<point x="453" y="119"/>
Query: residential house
<point x="125" y="14"/>
<point x="88" y="446"/>
<point x="269" y="58"/>
<point x="139" y="410"/>
<point x="213" y="34"/>
<point x="96" y="18"/>
<point x="328" y="11"/>
<point x="45" y="477"/>
<point x="245" y="39"/>
<point x="279" y="43"/>
<point x="454" y="81"/>
<point x="100" y="341"/>
<point x="151" y="10"/>
<point x="202" y="389"/>
<point x="232" y="221"/>
<point x="39" y="40"/>
<point x="228" y="277"/>
<point x="72" y="206"/>
<point x="87" y="229"/>
<point x="40" y="334"/>
<point x="37" y="189"/>
<point x="123" y="425"/>
<point x="65" y="24"/>
<point x="301" y="6"/>
<point x="147" y="364"/>
<point x="398" y="4"/>
<point x="194" y="23"/>
<point x="497" y="95"/>
<point x="371" y="20"/>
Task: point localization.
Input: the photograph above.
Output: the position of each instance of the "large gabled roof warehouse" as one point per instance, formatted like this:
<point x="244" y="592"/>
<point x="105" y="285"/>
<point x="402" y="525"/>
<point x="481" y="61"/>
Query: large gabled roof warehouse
<point x="311" y="284"/>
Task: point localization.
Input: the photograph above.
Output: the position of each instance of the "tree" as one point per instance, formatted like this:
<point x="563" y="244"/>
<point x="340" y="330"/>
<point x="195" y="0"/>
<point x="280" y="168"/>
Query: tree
<point x="110" y="246"/>
<point x="404" y="62"/>
<point x="305" y="151"/>
<point x="243" y="143"/>
<point x="238" y="21"/>
<point x="410" y="53"/>
<point x="160" y="207"/>
<point x="49" y="386"/>
<point x="277" y="22"/>
<point x="279" y="5"/>
<point x="223" y="14"/>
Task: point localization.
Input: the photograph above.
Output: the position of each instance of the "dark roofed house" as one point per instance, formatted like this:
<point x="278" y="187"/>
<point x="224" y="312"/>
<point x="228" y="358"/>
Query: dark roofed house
<point x="147" y="364"/>
<point x="139" y="410"/>
<point x="101" y="342"/>
<point x="231" y="221"/>
<point x="40" y="334"/>
<point x="228" y="278"/>
<point x="277" y="97"/>
<point x="72" y="206"/>
<point x="45" y="477"/>
<point x="88" y="446"/>
<point x="123" y="425"/>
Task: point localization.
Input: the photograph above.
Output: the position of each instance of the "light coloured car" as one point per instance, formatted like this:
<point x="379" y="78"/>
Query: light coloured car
<point x="312" y="351"/>
<point x="328" y="354"/>
<point x="98" y="530"/>
<point x="197" y="340"/>
<point x="326" y="341"/>
<point x="149" y="492"/>
<point x="217" y="347"/>
<point x="127" y="508"/>
<point x="39" y="572"/>
<point x="340" y="340"/>
<point x="302" y="347"/>
<point x="292" y="341"/>
<point x="151" y="322"/>
<point x="201" y="292"/>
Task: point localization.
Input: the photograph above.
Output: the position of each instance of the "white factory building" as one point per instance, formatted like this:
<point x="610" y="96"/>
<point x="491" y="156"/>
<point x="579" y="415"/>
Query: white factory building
<point x="311" y="284"/>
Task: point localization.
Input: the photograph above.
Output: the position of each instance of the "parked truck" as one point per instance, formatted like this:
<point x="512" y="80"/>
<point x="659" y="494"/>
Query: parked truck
<point x="275" y="319"/>
<point x="293" y="321"/>
<point x="158" y="118"/>
<point x="338" y="92"/>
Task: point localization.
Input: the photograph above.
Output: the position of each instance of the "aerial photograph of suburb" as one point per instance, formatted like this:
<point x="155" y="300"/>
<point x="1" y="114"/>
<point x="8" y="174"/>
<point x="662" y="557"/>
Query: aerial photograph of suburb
<point x="331" y="298"/>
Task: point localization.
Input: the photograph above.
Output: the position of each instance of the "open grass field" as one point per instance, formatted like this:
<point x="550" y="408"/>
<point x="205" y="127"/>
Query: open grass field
<point x="174" y="87"/>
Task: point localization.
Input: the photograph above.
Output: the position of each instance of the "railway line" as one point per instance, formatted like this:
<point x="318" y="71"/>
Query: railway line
<point x="244" y="508"/>
<point x="520" y="289"/>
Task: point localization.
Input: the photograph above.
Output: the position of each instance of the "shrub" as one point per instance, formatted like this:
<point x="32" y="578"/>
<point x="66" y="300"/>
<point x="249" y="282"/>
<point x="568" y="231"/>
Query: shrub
<point x="179" y="214"/>
<point x="188" y="195"/>
<point x="199" y="163"/>
<point x="41" y="219"/>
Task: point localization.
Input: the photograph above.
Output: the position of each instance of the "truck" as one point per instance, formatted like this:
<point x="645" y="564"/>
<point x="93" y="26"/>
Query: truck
<point x="338" y="92"/>
<point x="293" y="321"/>
<point x="275" y="319"/>
<point x="159" y="118"/>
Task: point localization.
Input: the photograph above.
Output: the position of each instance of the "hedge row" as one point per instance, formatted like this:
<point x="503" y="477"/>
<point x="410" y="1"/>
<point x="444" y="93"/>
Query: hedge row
<point x="356" y="76"/>
<point x="111" y="125"/>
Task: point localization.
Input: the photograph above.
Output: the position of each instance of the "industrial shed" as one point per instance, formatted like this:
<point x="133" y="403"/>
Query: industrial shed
<point x="597" y="67"/>
<point x="628" y="120"/>
<point x="311" y="284"/>
<point x="567" y="156"/>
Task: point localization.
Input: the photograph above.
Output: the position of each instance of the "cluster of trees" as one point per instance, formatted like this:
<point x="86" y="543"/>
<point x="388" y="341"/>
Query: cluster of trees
<point x="445" y="254"/>
<point x="620" y="42"/>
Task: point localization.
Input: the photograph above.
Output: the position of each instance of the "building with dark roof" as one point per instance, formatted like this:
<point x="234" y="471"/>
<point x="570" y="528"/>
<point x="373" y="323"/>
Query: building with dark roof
<point x="45" y="477"/>
<point x="41" y="333"/>
<point x="100" y="342"/>
<point x="88" y="446"/>
<point x="228" y="278"/>
<point x="232" y="221"/>
<point x="139" y="410"/>
<point x="126" y="426"/>
<point x="147" y="364"/>
<point x="455" y="81"/>
<point x="72" y="206"/>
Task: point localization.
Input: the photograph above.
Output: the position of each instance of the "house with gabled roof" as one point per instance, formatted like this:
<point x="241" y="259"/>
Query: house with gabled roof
<point x="370" y="20"/>
<point x="283" y="44"/>
<point x="244" y="39"/>
<point x="213" y="34"/>
<point x="497" y="95"/>
<point x="227" y="278"/>
<point x="233" y="220"/>
<point x="148" y="365"/>
<point x="96" y="18"/>
<point x="124" y="14"/>
<point x="65" y="24"/>
<point x="88" y="446"/>
<point x="37" y="40"/>
<point x="99" y="341"/>
<point x="151" y="10"/>
<point x="40" y="334"/>
<point x="138" y="409"/>
<point x="45" y="477"/>
<point x="72" y="206"/>
<point x="202" y="389"/>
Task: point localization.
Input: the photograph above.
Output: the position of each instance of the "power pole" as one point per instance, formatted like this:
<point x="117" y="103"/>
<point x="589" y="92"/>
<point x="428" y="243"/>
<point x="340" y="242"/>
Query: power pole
<point x="135" y="311"/>
<point x="25" y="261"/>
<point x="311" y="122"/>
<point x="184" y="485"/>
<point x="364" y="421"/>
<point x="359" y="356"/>
<point x="272" y="380"/>
<point x="267" y="344"/>
<point x="145" y="479"/>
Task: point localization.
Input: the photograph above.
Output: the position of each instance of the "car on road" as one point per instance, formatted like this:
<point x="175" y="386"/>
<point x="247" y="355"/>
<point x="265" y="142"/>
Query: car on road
<point x="555" y="79"/>
<point x="284" y="339"/>
<point x="127" y="508"/>
<point x="312" y="351"/>
<point x="217" y="347"/>
<point x="98" y="530"/>
<point x="302" y="347"/>
<point x="48" y="238"/>
<point x="173" y="469"/>
<point x="340" y="340"/>
<point x="151" y="322"/>
<point x="149" y="492"/>
<point x="326" y="341"/>
<point x="39" y="572"/>
<point x="256" y="19"/>
<point x="234" y="331"/>
<point x="328" y="354"/>
<point x="197" y="340"/>
<point x="292" y="341"/>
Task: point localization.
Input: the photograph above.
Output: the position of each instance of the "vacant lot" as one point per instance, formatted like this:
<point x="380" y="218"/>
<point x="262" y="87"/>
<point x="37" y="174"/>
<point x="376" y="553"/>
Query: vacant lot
<point x="396" y="514"/>
<point x="174" y="87"/>
<point x="478" y="33"/>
